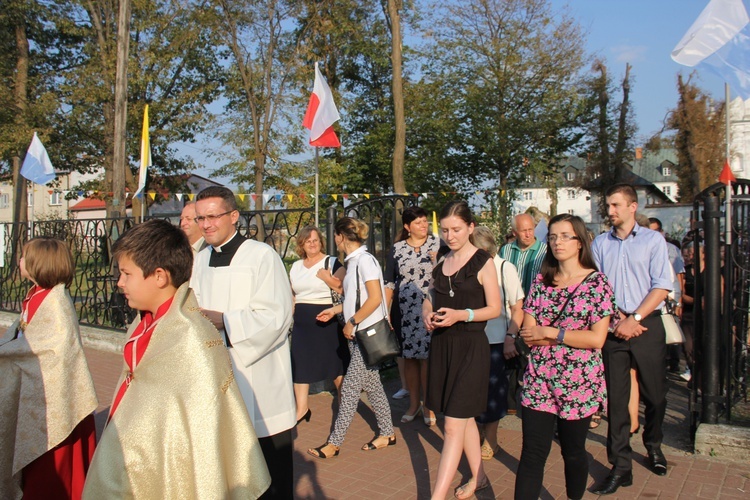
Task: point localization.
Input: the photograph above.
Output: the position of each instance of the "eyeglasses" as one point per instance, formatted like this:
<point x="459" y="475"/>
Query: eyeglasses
<point x="562" y="237"/>
<point x="211" y="218"/>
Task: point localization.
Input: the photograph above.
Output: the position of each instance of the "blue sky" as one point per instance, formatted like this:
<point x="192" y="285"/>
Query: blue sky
<point x="643" y="33"/>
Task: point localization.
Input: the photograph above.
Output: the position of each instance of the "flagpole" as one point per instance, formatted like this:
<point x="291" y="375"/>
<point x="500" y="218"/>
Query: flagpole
<point x="728" y="192"/>
<point x="317" y="179"/>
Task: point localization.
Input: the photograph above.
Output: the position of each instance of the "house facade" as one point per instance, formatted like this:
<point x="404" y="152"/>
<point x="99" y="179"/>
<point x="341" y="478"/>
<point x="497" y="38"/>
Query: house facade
<point x="739" y="118"/>
<point x="653" y="175"/>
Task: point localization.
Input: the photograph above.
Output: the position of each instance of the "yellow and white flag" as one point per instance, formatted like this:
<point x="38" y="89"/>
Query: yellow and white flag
<point x="145" y="154"/>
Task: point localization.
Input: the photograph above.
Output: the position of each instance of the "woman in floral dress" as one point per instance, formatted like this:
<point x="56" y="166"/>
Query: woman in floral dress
<point x="566" y="318"/>
<point x="408" y="272"/>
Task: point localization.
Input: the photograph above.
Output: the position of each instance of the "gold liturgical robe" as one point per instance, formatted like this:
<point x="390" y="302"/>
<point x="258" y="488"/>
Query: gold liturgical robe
<point x="45" y="387"/>
<point x="181" y="430"/>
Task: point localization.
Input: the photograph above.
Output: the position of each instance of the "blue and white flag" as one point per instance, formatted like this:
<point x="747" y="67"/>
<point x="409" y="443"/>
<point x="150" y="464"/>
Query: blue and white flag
<point x="719" y="41"/>
<point x="36" y="166"/>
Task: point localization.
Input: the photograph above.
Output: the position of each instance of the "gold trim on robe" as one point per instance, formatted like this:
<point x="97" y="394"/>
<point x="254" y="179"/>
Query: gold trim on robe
<point x="46" y="389"/>
<point x="181" y="429"/>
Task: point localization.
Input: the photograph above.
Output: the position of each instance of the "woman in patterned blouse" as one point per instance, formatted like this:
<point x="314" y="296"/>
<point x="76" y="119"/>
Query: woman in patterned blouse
<point x="566" y="318"/>
<point x="408" y="272"/>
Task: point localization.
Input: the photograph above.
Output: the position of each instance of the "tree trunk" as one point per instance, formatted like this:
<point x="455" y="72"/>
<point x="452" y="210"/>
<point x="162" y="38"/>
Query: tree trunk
<point x="622" y="131"/>
<point x="20" y="206"/>
<point x="120" y="160"/>
<point x="399" y="147"/>
<point x="605" y="168"/>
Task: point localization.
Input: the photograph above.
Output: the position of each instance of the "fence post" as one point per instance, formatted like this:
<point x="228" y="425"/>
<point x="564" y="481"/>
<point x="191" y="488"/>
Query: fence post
<point x="331" y="216"/>
<point x="711" y="341"/>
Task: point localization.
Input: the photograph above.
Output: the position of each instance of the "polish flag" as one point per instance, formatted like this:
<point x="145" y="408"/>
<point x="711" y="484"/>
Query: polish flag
<point x="321" y="114"/>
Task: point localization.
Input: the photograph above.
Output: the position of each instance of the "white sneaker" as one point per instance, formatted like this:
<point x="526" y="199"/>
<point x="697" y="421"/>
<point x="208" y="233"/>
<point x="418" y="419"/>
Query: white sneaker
<point x="401" y="393"/>
<point x="686" y="376"/>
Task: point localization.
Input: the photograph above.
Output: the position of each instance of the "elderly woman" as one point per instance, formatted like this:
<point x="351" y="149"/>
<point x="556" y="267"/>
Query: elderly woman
<point x="566" y="318"/>
<point x="408" y="272"/>
<point x="318" y="348"/>
<point x="509" y="322"/>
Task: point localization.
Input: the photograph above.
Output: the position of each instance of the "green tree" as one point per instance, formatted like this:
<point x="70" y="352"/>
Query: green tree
<point x="514" y="92"/>
<point x="263" y="70"/>
<point x="699" y="138"/>
<point x="172" y="67"/>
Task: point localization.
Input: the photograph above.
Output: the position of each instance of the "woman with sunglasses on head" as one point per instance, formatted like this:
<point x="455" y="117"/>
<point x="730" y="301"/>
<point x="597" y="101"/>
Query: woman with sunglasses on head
<point x="363" y="307"/>
<point x="565" y="323"/>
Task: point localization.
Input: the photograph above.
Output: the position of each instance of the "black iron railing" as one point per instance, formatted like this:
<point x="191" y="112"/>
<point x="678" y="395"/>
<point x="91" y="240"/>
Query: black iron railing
<point x="94" y="289"/>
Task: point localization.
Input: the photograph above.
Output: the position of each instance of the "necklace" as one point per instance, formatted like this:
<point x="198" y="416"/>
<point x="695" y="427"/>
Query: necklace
<point x="450" y="285"/>
<point x="570" y="278"/>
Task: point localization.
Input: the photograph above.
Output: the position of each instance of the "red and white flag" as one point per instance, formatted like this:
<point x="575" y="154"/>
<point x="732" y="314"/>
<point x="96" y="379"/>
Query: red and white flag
<point x="321" y="114"/>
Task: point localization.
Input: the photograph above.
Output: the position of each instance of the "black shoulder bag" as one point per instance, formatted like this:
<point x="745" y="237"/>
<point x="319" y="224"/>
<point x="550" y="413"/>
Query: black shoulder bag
<point x="521" y="346"/>
<point x="377" y="342"/>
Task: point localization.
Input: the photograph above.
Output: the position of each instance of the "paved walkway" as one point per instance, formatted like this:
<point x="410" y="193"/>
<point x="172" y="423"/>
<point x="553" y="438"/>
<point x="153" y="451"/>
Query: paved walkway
<point x="408" y="469"/>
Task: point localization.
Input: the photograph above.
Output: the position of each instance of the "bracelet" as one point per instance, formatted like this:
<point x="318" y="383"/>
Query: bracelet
<point x="560" y="336"/>
<point x="471" y="315"/>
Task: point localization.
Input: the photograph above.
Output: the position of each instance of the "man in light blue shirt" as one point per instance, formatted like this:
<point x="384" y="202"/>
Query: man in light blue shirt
<point x="636" y="262"/>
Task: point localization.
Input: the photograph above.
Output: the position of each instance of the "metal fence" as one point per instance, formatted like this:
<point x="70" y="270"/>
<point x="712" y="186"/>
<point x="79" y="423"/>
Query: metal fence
<point x="722" y="297"/>
<point x="94" y="289"/>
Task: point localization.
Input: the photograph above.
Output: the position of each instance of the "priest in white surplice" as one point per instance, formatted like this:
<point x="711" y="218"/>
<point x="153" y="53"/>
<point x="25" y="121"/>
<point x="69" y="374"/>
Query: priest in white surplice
<point x="242" y="287"/>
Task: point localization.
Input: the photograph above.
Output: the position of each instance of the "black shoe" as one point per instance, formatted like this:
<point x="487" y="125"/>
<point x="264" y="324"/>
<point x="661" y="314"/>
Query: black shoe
<point x="657" y="462"/>
<point x="305" y="417"/>
<point x="613" y="482"/>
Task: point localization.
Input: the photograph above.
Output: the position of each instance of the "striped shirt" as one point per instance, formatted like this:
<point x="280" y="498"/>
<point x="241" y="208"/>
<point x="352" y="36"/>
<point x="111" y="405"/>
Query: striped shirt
<point x="528" y="262"/>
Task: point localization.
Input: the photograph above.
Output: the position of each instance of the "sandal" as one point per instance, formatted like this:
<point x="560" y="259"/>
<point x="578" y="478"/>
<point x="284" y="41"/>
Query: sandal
<point x="488" y="452"/>
<point x="319" y="453"/>
<point x="463" y="492"/>
<point x="596" y="419"/>
<point x="372" y="445"/>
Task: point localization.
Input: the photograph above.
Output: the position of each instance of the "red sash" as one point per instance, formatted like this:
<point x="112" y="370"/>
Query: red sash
<point x="136" y="347"/>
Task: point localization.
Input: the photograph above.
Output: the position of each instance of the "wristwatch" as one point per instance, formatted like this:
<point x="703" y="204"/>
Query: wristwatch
<point x="351" y="320"/>
<point x="560" y="336"/>
<point x="637" y="317"/>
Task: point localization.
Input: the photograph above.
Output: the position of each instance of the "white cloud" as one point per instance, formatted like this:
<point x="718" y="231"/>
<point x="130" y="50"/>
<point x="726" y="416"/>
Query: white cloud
<point x="629" y="53"/>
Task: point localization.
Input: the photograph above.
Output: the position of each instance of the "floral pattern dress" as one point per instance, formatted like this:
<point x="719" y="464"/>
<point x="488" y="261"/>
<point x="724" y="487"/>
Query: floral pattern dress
<point x="560" y="379"/>
<point x="408" y="272"/>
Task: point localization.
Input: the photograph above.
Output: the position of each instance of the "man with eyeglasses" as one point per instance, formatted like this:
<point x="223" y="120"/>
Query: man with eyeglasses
<point x="636" y="262"/>
<point x="242" y="288"/>
<point x="190" y="227"/>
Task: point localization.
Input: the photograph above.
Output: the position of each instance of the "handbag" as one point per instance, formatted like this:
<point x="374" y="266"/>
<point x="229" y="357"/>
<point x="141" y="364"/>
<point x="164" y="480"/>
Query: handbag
<point x="336" y="298"/>
<point x="672" y="330"/>
<point x="377" y="342"/>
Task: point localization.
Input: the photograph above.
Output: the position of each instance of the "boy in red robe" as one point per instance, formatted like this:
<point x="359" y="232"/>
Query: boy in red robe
<point x="178" y="427"/>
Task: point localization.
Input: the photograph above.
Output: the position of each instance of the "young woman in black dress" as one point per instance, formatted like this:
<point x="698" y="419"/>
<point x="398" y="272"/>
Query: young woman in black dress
<point x="464" y="295"/>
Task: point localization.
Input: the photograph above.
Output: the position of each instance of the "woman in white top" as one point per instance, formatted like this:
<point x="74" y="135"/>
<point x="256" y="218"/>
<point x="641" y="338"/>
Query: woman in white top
<point x="318" y="348"/>
<point x="363" y="272"/>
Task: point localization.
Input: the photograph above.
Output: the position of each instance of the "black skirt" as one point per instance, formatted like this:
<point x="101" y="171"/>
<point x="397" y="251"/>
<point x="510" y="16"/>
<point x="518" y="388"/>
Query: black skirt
<point x="458" y="374"/>
<point x="319" y="350"/>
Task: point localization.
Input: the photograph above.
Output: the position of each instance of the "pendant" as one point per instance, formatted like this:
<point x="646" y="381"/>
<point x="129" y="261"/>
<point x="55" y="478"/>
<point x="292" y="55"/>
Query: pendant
<point x="451" y="293"/>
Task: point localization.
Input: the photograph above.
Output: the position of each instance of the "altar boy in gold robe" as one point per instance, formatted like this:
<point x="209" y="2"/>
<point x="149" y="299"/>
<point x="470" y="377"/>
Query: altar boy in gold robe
<point x="178" y="427"/>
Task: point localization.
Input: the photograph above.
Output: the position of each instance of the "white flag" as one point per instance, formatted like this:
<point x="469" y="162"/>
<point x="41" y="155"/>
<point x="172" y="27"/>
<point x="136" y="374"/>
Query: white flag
<point x="719" y="41"/>
<point x="36" y="166"/>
